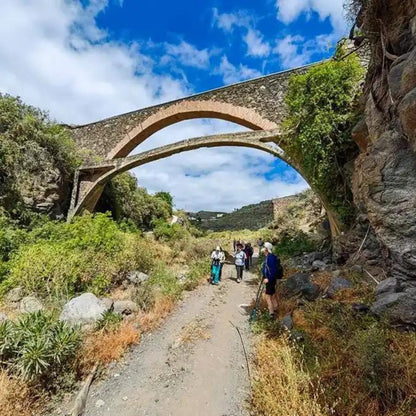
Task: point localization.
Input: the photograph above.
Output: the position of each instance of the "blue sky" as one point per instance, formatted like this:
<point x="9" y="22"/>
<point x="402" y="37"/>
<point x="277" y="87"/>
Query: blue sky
<point x="84" y="60"/>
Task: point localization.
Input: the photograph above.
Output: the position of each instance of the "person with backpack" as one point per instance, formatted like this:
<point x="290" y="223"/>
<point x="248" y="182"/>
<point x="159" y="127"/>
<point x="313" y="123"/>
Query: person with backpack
<point x="239" y="260"/>
<point x="250" y="254"/>
<point x="217" y="257"/>
<point x="272" y="270"/>
<point x="247" y="250"/>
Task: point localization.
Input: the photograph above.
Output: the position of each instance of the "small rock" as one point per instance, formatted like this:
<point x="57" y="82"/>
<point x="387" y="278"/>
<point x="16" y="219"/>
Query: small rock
<point x="337" y="284"/>
<point x="287" y="322"/>
<point x="125" y="398"/>
<point x="360" y="308"/>
<point x="3" y="317"/>
<point x="15" y="295"/>
<point x="318" y="265"/>
<point x="137" y="278"/>
<point x="30" y="304"/>
<point x="107" y="303"/>
<point x="357" y="268"/>
<point x="99" y="403"/>
<point x="125" y="307"/>
<point x="316" y="255"/>
<point x="389" y="285"/>
<point x="336" y="273"/>
<point x="83" y="310"/>
<point x="296" y="336"/>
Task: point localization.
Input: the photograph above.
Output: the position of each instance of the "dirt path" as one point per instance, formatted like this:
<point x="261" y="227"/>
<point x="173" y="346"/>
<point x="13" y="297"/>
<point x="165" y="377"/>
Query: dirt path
<point x="193" y="365"/>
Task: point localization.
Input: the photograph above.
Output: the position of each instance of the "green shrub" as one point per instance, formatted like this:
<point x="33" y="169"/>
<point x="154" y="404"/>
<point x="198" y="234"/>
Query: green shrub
<point x="169" y="232"/>
<point x="166" y="280"/>
<point x="197" y="271"/>
<point x="294" y="244"/>
<point x="371" y="355"/>
<point x="109" y="321"/>
<point x="91" y="253"/>
<point x="36" y="344"/>
<point x="128" y="202"/>
<point x="144" y="296"/>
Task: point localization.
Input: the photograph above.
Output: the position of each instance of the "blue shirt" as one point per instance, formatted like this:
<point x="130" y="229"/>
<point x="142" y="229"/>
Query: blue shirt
<point x="269" y="267"/>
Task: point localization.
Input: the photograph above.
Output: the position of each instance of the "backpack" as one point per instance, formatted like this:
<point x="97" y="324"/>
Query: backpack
<point x="279" y="269"/>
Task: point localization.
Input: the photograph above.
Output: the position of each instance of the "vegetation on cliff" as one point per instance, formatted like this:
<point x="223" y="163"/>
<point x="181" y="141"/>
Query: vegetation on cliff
<point x="37" y="159"/>
<point x="321" y="114"/>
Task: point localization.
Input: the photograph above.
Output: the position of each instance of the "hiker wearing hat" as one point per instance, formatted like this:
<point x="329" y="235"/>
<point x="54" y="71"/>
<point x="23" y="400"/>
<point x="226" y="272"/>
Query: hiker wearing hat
<point x="239" y="260"/>
<point x="271" y="271"/>
<point x="217" y="256"/>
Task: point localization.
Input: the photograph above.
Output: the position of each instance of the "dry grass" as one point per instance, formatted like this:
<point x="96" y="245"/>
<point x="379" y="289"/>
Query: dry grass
<point x="322" y="279"/>
<point x="16" y="398"/>
<point x="153" y="318"/>
<point x="193" y="332"/>
<point x="282" y="387"/>
<point x="106" y="346"/>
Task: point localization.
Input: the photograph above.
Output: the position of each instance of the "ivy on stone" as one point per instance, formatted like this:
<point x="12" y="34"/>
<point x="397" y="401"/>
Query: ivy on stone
<point x="317" y="132"/>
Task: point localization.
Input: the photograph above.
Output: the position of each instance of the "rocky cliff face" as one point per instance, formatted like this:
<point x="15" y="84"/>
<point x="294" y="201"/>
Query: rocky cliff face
<point x="384" y="179"/>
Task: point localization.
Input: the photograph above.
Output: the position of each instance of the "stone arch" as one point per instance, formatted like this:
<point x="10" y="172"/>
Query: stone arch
<point x="90" y="180"/>
<point x="186" y="110"/>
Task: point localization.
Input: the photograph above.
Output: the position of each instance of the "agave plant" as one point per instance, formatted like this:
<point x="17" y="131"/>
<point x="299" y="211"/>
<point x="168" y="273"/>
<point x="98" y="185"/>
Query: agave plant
<point x="36" y="344"/>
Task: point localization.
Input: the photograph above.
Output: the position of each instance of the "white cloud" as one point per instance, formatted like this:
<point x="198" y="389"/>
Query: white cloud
<point x="53" y="55"/>
<point x="289" y="51"/>
<point x="253" y="38"/>
<point x="231" y="73"/>
<point x="256" y="46"/>
<point x="228" y="21"/>
<point x="188" y="55"/>
<point x="295" y="50"/>
<point x="289" y="10"/>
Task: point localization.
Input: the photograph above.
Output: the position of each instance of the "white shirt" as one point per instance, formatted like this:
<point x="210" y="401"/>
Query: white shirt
<point x="218" y="255"/>
<point x="240" y="257"/>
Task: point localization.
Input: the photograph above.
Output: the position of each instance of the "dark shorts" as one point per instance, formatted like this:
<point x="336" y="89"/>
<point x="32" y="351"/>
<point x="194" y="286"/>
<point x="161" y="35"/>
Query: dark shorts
<point x="271" y="287"/>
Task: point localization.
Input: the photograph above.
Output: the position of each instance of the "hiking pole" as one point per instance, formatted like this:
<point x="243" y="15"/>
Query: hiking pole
<point x="253" y="314"/>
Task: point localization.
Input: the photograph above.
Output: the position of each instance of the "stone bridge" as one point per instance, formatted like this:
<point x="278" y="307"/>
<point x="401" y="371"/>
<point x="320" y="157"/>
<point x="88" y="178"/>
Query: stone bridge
<point x="257" y="104"/>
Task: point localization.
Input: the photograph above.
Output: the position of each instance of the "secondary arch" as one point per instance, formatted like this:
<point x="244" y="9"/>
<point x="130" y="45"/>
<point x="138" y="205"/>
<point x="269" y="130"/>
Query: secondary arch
<point x="187" y="110"/>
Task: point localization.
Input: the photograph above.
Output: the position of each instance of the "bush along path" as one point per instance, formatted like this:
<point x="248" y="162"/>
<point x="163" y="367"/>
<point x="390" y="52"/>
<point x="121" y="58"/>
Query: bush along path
<point x="193" y="365"/>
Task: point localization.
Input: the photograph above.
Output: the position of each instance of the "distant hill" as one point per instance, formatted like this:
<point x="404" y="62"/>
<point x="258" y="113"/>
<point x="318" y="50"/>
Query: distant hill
<point x="250" y="217"/>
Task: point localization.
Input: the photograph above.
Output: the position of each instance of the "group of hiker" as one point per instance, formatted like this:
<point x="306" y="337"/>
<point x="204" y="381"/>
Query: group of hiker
<point x="243" y="259"/>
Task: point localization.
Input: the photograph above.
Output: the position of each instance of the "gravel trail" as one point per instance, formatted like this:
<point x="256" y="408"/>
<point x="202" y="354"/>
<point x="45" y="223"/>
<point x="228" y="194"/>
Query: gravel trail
<point x="192" y="365"/>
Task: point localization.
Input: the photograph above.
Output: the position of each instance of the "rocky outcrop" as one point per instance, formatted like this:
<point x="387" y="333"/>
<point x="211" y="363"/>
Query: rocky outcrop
<point x="384" y="179"/>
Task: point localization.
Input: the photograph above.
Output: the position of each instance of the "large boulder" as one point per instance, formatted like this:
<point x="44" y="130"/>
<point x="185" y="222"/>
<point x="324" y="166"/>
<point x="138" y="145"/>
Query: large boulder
<point x="300" y="284"/>
<point x="30" y="304"/>
<point x="83" y="310"/>
<point x="399" y="308"/>
<point x="337" y="284"/>
<point x="125" y="307"/>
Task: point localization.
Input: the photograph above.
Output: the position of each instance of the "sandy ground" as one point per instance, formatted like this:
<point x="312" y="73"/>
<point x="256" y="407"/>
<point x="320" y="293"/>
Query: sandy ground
<point x="192" y="365"/>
